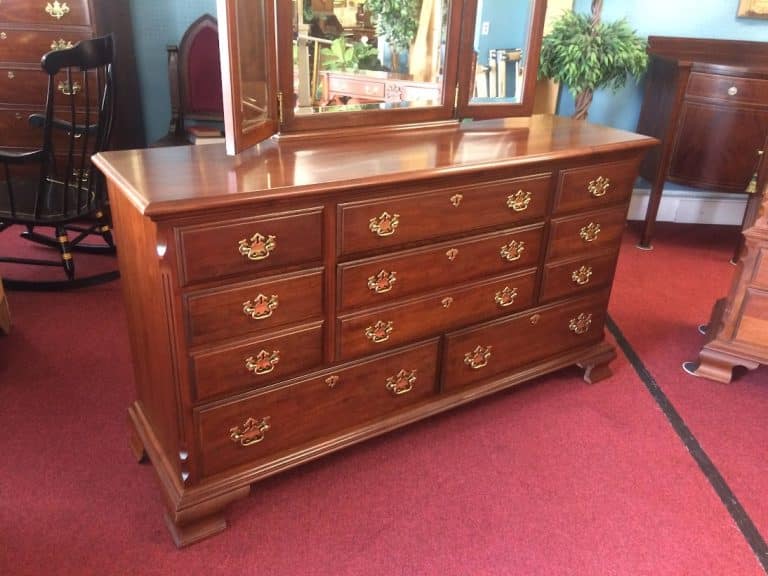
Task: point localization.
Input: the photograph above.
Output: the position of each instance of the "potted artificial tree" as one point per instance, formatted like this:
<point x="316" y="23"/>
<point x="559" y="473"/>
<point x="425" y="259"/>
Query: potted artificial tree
<point x="397" y="21"/>
<point x="586" y="54"/>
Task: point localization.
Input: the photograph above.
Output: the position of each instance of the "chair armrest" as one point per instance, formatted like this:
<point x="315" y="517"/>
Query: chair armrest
<point x="19" y="157"/>
<point x="38" y="121"/>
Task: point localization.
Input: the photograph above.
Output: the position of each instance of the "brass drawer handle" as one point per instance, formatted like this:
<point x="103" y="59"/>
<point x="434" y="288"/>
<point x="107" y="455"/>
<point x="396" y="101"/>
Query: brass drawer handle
<point x="379" y="332"/>
<point x="258" y="247"/>
<point x="599" y="187"/>
<point x="478" y="358"/>
<point x="261" y="307"/>
<point x="519" y="201"/>
<point x="11" y="75"/>
<point x="456" y="199"/>
<point x="384" y="225"/>
<point x="402" y="383"/>
<point x="57" y="10"/>
<point x="251" y="432"/>
<point x="3" y="36"/>
<point x="61" y="44"/>
<point x="590" y="232"/>
<point x="506" y="297"/>
<point x="732" y="91"/>
<point x="580" y="324"/>
<point x="582" y="275"/>
<point x="263" y="363"/>
<point x="452" y="254"/>
<point x="69" y="89"/>
<point x="383" y="282"/>
<point x="446" y="302"/>
<point x="512" y="251"/>
<point x="332" y="381"/>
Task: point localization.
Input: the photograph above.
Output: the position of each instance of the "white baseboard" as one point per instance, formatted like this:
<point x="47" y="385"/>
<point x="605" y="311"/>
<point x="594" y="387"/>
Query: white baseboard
<point x="691" y="207"/>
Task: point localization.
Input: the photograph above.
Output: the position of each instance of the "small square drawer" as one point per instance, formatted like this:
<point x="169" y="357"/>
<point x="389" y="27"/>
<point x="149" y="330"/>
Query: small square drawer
<point x="571" y="277"/>
<point x="586" y="234"/>
<point x="398" y="220"/>
<point x="308" y="411"/>
<point x="250" y="245"/>
<point x="380" y="280"/>
<point x="728" y="88"/>
<point x="382" y="328"/>
<point x="258" y="362"/>
<point x="593" y="187"/>
<point x="479" y="353"/>
<point x="238" y="310"/>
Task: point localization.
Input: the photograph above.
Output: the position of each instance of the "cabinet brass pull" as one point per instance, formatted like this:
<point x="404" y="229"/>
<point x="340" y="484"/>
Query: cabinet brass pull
<point x="261" y="307"/>
<point x="512" y="251"/>
<point x="732" y="91"/>
<point x="61" y="44"/>
<point x="582" y="275"/>
<point x="258" y="247"/>
<point x="57" y="10"/>
<point x="384" y="225"/>
<point x="599" y="187"/>
<point x="446" y="302"/>
<point x="519" y="201"/>
<point x="332" y="381"/>
<point x="580" y="324"/>
<point x="3" y="36"/>
<point x="452" y="254"/>
<point x="379" y="332"/>
<point x="69" y="89"/>
<point x="456" y="199"/>
<point x="383" y="282"/>
<point x="263" y="363"/>
<point x="506" y="297"/>
<point x="478" y="358"/>
<point x="590" y="232"/>
<point x="251" y="432"/>
<point x="11" y="75"/>
<point x="402" y="383"/>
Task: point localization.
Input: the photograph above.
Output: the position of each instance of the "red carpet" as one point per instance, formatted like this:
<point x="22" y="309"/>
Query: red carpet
<point x="555" y="477"/>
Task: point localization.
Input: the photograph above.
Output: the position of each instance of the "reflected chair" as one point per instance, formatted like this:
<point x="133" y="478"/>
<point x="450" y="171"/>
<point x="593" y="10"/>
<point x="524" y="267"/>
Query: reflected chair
<point x="194" y="78"/>
<point x="55" y="187"/>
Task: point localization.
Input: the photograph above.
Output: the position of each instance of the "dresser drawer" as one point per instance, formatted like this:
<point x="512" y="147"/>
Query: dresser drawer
<point x="383" y="279"/>
<point x="27" y="86"/>
<point x="397" y="220"/>
<point x="586" y="233"/>
<point x="16" y="132"/>
<point x="250" y="245"/>
<point x="252" y="307"/>
<point x="29" y="45"/>
<point x="728" y="88"/>
<point x="306" y="411"/>
<point x="593" y="187"/>
<point x="572" y="277"/>
<point x="257" y="362"/>
<point x="370" y="332"/>
<point x="69" y="13"/>
<point x="479" y="353"/>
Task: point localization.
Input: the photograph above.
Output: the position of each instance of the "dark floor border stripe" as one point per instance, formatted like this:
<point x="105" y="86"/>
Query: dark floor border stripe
<point x="724" y="492"/>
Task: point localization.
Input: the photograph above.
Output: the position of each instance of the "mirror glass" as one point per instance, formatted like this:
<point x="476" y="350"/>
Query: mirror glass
<point x="351" y="55"/>
<point x="254" y="65"/>
<point x="500" y="51"/>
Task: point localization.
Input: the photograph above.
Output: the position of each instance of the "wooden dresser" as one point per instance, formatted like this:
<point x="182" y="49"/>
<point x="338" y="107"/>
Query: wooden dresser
<point x="301" y="297"/>
<point x="707" y="101"/>
<point x="29" y="29"/>
<point x="737" y="333"/>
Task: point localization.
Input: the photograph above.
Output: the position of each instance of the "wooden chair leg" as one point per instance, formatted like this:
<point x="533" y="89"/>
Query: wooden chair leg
<point x="66" y="251"/>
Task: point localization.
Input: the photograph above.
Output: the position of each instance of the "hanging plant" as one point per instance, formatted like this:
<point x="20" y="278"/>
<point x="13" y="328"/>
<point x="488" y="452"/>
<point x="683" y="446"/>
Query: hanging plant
<point x="586" y="54"/>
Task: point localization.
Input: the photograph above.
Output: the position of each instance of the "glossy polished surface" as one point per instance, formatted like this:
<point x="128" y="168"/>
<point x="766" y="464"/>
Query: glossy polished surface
<point x="193" y="177"/>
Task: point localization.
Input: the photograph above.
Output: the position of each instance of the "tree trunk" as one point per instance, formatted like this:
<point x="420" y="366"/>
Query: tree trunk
<point x="583" y="100"/>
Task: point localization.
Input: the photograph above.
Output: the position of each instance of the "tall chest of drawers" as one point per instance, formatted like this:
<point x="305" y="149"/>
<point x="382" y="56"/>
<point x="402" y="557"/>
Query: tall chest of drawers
<point x="300" y="298"/>
<point x="29" y="29"/>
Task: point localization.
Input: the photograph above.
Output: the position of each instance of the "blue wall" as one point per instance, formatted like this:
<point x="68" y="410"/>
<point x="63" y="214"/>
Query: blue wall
<point x="157" y="23"/>
<point x="687" y="18"/>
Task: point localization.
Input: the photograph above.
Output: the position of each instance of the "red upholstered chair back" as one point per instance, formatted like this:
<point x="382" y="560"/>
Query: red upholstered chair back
<point x="200" y="70"/>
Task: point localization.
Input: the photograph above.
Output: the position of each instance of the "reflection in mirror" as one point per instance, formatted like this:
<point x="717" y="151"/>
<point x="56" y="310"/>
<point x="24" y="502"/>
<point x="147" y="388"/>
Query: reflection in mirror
<point x="351" y="55"/>
<point x="254" y="67"/>
<point x="500" y="46"/>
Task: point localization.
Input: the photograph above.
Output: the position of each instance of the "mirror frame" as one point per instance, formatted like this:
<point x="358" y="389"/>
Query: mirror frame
<point x="457" y="79"/>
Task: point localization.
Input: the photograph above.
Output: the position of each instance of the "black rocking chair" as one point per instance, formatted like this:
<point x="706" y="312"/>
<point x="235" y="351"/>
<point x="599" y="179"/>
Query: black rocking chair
<point x="56" y="186"/>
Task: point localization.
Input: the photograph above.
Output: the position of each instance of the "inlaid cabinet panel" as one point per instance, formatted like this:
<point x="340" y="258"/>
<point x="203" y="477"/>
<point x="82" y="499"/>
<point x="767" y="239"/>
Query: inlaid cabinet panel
<point x="371" y="225"/>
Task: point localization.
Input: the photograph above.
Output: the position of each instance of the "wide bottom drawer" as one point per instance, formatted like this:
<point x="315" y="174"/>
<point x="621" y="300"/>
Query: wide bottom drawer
<point x="481" y="352"/>
<point x="263" y="424"/>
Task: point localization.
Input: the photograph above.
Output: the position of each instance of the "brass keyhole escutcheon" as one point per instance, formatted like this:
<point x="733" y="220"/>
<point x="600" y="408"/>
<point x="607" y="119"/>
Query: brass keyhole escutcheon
<point x="456" y="199"/>
<point x="452" y="254"/>
<point x="446" y="302"/>
<point x="332" y="381"/>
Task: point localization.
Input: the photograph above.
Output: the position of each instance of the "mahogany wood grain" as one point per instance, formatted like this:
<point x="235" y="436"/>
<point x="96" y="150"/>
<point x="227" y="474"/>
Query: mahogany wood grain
<point x="27" y="45"/>
<point x="438" y="266"/>
<point x="577" y="275"/>
<point x="570" y="236"/>
<point x="592" y="187"/>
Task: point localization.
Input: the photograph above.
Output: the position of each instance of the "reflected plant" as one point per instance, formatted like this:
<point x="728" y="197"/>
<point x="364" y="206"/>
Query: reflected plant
<point x="397" y="21"/>
<point x="343" y="56"/>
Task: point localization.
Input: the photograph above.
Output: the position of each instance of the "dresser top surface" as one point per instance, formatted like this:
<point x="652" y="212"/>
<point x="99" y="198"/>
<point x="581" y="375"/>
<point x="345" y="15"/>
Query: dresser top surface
<point x="166" y="181"/>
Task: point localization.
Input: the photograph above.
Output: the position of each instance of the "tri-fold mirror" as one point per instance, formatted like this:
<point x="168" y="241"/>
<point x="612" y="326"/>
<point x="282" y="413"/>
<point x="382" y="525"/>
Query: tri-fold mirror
<point x="298" y="66"/>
